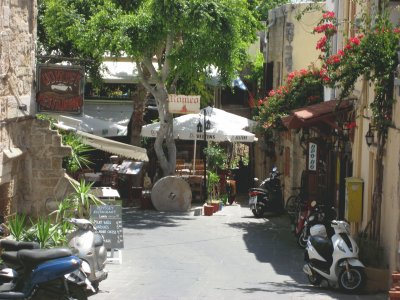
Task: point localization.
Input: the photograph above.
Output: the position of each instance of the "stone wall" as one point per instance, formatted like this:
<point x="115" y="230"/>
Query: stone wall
<point x="30" y="166"/>
<point x="17" y="57"/>
<point x="30" y="153"/>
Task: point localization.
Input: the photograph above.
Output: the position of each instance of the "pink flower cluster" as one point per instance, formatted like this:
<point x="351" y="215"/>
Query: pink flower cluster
<point x="296" y="73"/>
<point x="328" y="15"/>
<point x="321" y="44"/>
<point x="326" y="27"/>
<point x="354" y="41"/>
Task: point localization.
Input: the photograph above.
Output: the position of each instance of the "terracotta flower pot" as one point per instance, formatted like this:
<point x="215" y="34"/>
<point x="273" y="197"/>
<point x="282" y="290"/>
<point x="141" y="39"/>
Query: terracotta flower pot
<point x="208" y="210"/>
<point x="215" y="205"/>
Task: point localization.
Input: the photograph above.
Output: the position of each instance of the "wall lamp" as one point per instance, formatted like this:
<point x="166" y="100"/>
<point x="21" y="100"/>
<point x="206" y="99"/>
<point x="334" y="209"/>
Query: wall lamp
<point x="369" y="136"/>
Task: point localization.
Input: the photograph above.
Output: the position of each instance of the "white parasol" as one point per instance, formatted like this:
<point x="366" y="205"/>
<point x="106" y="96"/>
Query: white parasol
<point x="225" y="127"/>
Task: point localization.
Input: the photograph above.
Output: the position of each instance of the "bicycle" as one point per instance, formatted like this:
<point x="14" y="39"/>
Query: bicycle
<point x="295" y="202"/>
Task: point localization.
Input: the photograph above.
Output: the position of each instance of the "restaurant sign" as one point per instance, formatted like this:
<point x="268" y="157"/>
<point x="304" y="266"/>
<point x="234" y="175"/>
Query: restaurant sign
<point x="182" y="104"/>
<point x="60" y="89"/>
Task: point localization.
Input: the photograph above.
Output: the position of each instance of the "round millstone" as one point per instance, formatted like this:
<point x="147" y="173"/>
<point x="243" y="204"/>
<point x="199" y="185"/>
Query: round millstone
<point x="171" y="193"/>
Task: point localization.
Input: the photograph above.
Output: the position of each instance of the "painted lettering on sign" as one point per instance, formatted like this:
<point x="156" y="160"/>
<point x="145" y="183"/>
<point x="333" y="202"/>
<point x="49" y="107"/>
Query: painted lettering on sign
<point x="183" y="104"/>
<point x="60" y="89"/>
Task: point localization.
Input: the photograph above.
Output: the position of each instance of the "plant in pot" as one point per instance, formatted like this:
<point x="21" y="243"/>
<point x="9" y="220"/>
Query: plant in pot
<point x="216" y="161"/>
<point x="213" y="190"/>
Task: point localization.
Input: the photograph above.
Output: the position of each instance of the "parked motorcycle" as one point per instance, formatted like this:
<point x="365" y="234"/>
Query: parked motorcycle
<point x="301" y="221"/>
<point x="89" y="245"/>
<point x="42" y="274"/>
<point x="317" y="214"/>
<point x="268" y="196"/>
<point x="334" y="259"/>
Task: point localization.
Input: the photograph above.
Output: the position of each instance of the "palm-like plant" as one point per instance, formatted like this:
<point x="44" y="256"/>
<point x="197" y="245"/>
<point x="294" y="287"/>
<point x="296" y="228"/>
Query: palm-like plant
<point x="82" y="197"/>
<point x="65" y="209"/>
<point x="44" y="232"/>
<point x="16" y="226"/>
<point x="79" y="155"/>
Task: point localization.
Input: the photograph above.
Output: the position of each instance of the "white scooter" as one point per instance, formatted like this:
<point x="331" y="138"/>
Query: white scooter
<point x="89" y="244"/>
<point x="335" y="259"/>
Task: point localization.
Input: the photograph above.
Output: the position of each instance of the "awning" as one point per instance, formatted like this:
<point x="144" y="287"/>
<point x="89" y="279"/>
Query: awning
<point x="93" y="125"/>
<point x="114" y="147"/>
<point x="120" y="71"/>
<point x="325" y="112"/>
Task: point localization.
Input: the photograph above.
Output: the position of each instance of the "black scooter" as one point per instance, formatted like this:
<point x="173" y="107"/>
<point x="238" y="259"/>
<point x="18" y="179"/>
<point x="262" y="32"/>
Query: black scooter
<point x="268" y="196"/>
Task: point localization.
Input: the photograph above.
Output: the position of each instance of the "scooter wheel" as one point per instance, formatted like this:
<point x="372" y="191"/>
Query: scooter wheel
<point x="302" y="240"/>
<point x="76" y="292"/>
<point x="257" y="212"/>
<point x="352" y="281"/>
<point x="315" y="279"/>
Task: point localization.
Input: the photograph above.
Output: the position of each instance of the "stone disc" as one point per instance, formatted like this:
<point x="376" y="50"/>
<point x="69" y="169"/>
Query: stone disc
<point x="171" y="193"/>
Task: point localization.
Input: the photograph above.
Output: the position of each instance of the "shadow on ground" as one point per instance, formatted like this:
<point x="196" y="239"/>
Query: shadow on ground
<point x="135" y="218"/>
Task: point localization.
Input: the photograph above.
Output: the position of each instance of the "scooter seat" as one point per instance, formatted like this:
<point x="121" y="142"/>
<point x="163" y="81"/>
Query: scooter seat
<point x="323" y="246"/>
<point x="11" y="245"/>
<point x="32" y="258"/>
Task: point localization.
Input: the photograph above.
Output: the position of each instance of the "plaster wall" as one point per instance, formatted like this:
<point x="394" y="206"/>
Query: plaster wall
<point x="291" y="46"/>
<point x="390" y="201"/>
<point x="291" y="43"/>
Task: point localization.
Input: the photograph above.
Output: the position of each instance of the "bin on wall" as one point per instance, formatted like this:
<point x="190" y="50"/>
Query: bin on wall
<point x="354" y="198"/>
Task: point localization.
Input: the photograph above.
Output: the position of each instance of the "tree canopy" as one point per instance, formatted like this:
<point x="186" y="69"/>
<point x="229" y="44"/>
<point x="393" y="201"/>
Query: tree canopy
<point x="185" y="38"/>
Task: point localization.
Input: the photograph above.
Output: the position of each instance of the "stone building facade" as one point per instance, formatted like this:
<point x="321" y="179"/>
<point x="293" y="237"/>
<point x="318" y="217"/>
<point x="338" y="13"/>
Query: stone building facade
<point x="31" y="172"/>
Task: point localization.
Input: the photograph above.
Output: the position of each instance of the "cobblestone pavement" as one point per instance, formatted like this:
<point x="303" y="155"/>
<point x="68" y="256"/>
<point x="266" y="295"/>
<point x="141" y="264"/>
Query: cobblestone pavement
<point x="230" y="255"/>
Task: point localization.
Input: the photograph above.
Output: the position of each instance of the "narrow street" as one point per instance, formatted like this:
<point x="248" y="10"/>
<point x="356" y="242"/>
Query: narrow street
<point x="230" y="255"/>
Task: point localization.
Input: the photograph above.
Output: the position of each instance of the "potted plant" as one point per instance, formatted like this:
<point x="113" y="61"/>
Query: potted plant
<point x="213" y="190"/>
<point x="216" y="161"/>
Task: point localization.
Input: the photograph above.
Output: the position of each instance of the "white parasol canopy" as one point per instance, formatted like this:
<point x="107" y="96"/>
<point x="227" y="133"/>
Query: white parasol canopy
<point x="224" y="127"/>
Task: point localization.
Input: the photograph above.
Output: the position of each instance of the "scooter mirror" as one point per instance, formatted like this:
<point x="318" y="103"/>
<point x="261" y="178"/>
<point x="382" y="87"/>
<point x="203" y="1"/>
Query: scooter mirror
<point x="313" y="203"/>
<point x="255" y="179"/>
<point x="274" y="169"/>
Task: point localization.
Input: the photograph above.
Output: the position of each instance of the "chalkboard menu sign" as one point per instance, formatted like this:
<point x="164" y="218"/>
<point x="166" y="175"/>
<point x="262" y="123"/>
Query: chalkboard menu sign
<point x="107" y="220"/>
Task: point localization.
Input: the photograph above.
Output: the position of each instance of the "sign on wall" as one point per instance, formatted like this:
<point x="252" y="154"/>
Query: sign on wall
<point x="183" y="104"/>
<point x="60" y="89"/>
<point x="312" y="157"/>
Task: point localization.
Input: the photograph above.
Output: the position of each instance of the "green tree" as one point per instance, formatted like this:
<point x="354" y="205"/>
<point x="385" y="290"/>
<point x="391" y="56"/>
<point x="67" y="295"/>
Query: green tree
<point x="183" y="37"/>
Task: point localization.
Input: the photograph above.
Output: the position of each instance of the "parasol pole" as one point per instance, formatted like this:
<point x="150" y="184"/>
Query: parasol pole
<point x="194" y="154"/>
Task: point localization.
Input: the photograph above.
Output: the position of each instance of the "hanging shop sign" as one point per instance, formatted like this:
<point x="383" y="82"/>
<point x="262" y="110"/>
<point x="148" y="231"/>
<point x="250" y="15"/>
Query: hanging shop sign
<point x="312" y="157"/>
<point x="60" y="89"/>
<point x="183" y="104"/>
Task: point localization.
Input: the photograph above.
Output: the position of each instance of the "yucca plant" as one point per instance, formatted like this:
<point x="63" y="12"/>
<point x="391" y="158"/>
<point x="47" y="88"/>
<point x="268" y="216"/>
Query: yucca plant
<point x="79" y="156"/>
<point x="64" y="210"/>
<point x="43" y="232"/>
<point x="60" y="232"/>
<point x="16" y="226"/>
<point x="82" y="197"/>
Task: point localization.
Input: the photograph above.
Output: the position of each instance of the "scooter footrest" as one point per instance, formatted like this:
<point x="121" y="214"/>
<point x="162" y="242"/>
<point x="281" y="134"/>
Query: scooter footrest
<point x="12" y="295"/>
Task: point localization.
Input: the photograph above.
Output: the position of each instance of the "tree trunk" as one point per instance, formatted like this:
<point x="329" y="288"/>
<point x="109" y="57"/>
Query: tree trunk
<point x="166" y="159"/>
<point x="136" y="122"/>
